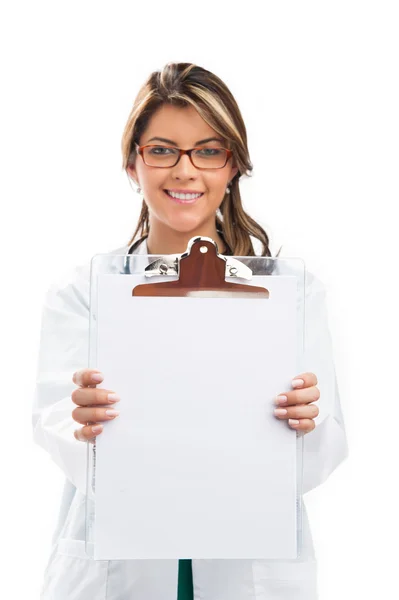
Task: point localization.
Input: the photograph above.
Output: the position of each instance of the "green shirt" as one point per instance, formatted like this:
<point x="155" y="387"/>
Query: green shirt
<point x="185" y="580"/>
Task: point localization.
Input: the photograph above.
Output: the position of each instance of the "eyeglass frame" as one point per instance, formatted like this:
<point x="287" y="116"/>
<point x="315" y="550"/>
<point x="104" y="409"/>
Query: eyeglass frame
<point x="140" y="149"/>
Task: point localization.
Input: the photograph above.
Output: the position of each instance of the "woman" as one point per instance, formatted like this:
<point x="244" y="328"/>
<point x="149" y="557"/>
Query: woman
<point x="193" y="193"/>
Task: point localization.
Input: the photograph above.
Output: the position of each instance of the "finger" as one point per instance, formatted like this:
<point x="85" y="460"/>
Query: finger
<point x="305" y="425"/>
<point x="87" y="415"/>
<point x="88" y="433"/>
<point x="304" y="380"/>
<point x="311" y="394"/>
<point x="86" y="377"/>
<point x="93" y="397"/>
<point x="307" y="411"/>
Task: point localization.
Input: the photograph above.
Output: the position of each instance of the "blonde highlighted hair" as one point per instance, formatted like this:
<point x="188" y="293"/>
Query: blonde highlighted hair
<point x="186" y="84"/>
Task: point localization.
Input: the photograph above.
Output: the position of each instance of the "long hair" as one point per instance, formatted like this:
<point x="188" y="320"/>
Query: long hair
<point x="186" y="84"/>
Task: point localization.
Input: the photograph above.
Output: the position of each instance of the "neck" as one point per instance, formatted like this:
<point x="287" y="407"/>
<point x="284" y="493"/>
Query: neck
<point x="163" y="240"/>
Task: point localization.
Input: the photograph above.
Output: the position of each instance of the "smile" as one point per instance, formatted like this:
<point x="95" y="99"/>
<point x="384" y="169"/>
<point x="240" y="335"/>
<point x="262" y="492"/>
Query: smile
<point x="183" y="198"/>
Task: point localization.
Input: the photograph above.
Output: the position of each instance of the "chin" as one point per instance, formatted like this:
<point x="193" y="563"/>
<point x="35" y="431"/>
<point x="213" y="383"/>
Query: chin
<point x="186" y="225"/>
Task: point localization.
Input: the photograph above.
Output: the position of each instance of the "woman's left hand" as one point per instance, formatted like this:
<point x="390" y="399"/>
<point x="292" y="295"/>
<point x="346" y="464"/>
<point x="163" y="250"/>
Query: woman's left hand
<point x="297" y="407"/>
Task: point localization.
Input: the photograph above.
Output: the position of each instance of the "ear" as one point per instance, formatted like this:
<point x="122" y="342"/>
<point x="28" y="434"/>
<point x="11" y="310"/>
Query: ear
<point x="132" y="173"/>
<point x="234" y="171"/>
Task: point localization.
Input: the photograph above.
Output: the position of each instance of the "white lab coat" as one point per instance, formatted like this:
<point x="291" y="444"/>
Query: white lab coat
<point x="70" y="575"/>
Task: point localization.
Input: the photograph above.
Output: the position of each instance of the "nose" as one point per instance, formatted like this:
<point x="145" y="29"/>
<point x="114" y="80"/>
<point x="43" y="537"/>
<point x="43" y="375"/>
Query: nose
<point x="184" y="168"/>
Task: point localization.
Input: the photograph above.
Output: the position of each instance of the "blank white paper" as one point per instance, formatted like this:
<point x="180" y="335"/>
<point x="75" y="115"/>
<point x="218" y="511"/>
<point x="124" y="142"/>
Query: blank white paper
<point x="196" y="465"/>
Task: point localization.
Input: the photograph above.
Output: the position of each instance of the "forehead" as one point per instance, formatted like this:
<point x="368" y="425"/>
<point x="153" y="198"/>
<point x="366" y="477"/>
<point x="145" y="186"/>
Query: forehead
<point x="183" y="125"/>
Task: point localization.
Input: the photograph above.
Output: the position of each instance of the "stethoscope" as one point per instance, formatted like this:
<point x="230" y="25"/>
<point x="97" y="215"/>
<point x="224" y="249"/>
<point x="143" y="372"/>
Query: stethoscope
<point x="126" y="260"/>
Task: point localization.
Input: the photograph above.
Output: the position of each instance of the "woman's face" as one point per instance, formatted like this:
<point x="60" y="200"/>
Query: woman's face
<point x="185" y="128"/>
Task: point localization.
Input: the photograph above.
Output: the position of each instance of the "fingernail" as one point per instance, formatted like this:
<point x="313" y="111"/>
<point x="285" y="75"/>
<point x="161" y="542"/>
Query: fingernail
<point x="97" y="377"/>
<point x="281" y="399"/>
<point x="112" y="413"/>
<point x="280" y="411"/>
<point x="113" y="398"/>
<point x="97" y="428"/>
<point x="297" y="382"/>
<point x="293" y="422"/>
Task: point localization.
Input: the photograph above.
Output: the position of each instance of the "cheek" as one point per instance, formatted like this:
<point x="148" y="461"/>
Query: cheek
<point x="154" y="180"/>
<point x="216" y="184"/>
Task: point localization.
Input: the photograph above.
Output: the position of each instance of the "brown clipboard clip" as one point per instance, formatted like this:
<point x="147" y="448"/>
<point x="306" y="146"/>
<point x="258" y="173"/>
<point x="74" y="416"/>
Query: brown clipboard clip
<point x="202" y="273"/>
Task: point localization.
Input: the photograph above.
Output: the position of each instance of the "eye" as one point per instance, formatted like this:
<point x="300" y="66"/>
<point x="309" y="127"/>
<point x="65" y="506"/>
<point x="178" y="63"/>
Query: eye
<point x="209" y="151"/>
<point x="161" y="150"/>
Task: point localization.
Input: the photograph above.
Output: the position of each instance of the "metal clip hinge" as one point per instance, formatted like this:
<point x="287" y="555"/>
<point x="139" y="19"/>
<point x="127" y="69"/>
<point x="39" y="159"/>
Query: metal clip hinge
<point x="169" y="265"/>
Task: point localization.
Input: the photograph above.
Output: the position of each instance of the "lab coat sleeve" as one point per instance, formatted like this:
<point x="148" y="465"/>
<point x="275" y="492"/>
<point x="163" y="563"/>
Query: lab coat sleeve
<point x="326" y="446"/>
<point x="64" y="347"/>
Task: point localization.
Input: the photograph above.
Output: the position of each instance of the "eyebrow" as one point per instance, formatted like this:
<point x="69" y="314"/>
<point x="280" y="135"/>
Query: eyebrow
<point x="211" y="139"/>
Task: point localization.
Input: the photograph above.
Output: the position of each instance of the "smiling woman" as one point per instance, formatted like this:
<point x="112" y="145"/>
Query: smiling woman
<point x="185" y="146"/>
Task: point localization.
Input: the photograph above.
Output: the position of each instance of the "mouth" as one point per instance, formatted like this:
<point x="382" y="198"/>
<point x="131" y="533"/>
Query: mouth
<point x="185" y="201"/>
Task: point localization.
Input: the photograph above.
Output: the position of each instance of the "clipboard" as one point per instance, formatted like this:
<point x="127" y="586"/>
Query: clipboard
<point x="205" y="440"/>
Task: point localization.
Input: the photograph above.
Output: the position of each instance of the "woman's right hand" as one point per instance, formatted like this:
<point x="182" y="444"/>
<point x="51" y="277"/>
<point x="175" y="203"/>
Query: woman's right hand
<point x="94" y="404"/>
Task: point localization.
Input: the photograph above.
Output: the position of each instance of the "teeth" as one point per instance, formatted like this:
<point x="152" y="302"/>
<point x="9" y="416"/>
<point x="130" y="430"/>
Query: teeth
<point x="184" y="196"/>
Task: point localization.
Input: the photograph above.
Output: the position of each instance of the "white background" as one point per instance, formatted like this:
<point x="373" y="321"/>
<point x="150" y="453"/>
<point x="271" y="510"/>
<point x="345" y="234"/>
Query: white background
<point x="317" y="83"/>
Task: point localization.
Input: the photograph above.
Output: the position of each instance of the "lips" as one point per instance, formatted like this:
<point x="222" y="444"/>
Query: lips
<point x="183" y="191"/>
